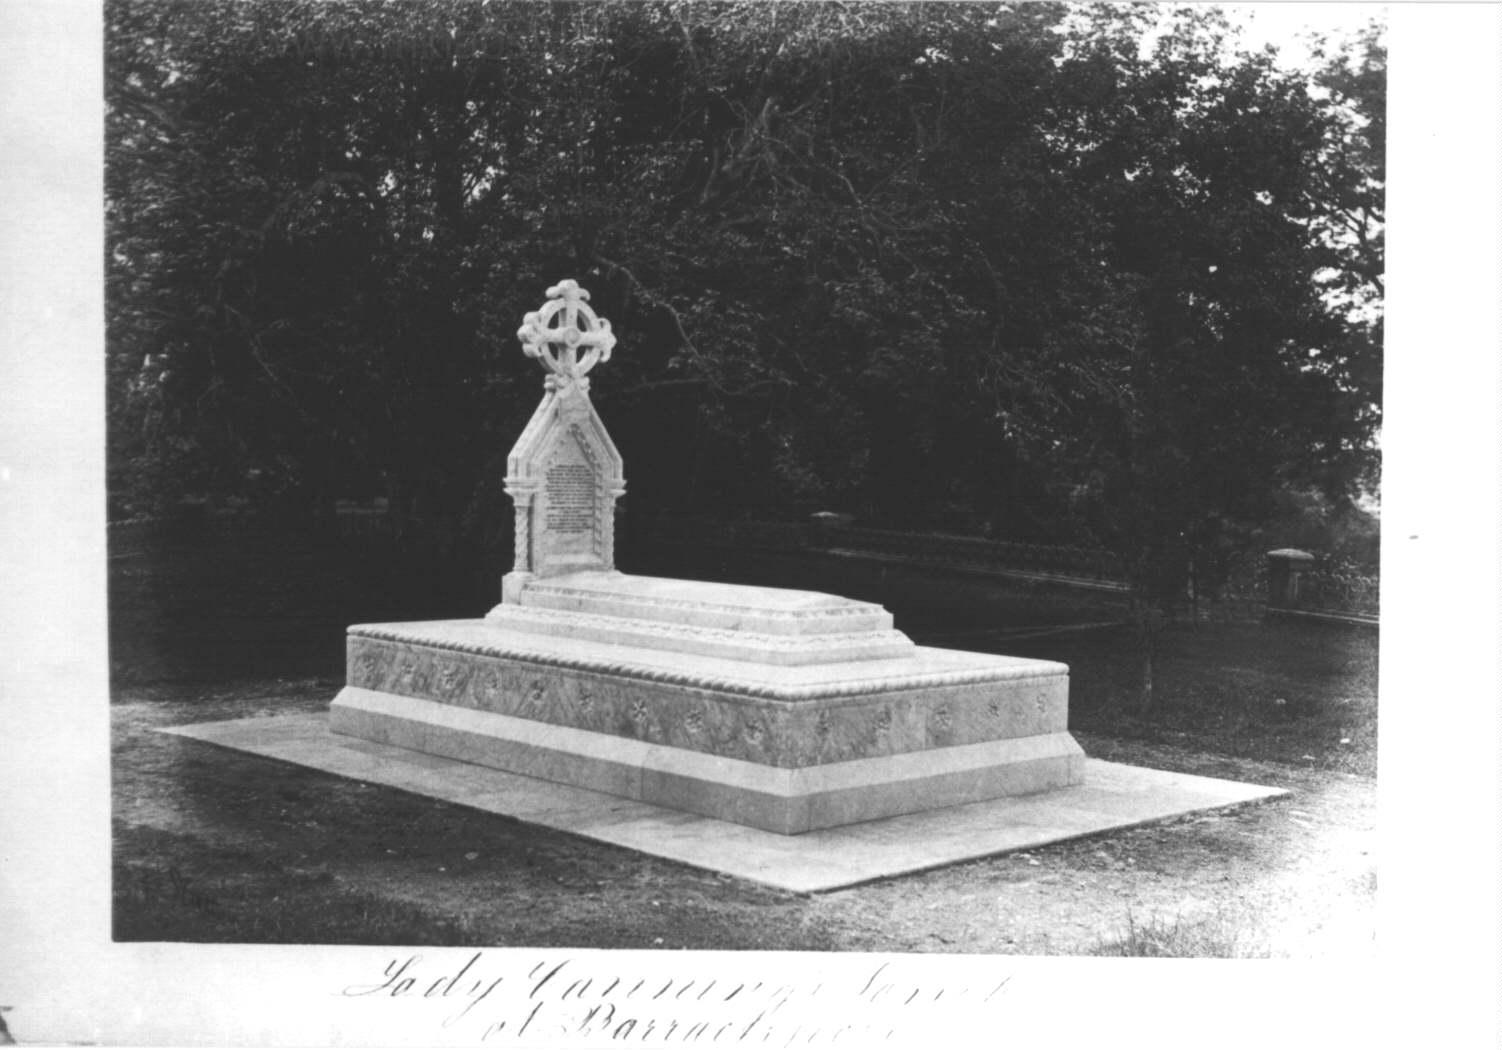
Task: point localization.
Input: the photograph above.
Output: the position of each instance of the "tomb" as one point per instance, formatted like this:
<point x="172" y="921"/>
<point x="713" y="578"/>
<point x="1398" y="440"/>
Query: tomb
<point x="780" y="709"/>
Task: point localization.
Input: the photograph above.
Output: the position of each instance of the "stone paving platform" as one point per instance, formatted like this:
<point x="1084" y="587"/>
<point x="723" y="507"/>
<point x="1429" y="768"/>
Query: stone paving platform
<point x="1112" y="796"/>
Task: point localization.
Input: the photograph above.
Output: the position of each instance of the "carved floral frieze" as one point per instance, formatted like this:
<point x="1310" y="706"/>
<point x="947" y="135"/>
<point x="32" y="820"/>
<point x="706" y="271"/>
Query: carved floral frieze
<point x="780" y="733"/>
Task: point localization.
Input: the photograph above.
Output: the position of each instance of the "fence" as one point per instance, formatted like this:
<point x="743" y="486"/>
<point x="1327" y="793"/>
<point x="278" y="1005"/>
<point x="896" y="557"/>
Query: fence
<point x="193" y="522"/>
<point x="1077" y="563"/>
<point x="1336" y="587"/>
<point x="965" y="553"/>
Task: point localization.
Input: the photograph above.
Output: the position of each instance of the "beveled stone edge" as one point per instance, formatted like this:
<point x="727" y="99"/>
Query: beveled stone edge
<point x="853" y="606"/>
<point x="782" y="800"/>
<point x="720" y="642"/>
<point x="782" y="641"/>
<point x="739" y="687"/>
<point x="685" y="611"/>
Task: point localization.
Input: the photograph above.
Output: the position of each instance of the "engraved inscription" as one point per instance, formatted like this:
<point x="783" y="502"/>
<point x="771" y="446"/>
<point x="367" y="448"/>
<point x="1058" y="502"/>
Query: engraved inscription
<point x="571" y="498"/>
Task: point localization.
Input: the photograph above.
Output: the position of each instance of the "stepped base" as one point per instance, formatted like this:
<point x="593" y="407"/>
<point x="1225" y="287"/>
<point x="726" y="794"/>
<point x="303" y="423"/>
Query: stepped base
<point x="769" y="625"/>
<point x="786" y="801"/>
<point x="782" y="748"/>
<point x="787" y="650"/>
<point x="699" y="603"/>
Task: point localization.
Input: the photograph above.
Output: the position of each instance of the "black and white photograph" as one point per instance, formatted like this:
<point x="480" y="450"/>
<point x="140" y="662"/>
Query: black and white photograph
<point x="775" y="523"/>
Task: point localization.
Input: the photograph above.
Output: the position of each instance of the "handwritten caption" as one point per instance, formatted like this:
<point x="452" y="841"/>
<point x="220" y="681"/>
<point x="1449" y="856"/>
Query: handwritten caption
<point x="490" y="997"/>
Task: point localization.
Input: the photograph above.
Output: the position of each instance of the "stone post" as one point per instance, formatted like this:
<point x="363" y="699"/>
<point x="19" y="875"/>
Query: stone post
<point x="1284" y="568"/>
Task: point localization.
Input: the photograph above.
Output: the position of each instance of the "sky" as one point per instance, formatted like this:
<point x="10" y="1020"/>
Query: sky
<point x="1285" y="24"/>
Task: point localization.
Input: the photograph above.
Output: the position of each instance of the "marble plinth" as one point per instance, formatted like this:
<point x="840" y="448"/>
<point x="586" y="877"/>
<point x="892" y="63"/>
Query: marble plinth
<point x="759" y="624"/>
<point x="786" y="747"/>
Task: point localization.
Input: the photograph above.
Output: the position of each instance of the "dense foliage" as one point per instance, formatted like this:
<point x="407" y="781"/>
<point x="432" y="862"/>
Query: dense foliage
<point x="1014" y="268"/>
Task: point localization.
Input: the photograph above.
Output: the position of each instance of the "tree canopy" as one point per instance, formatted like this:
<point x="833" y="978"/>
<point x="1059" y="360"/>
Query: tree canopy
<point x="995" y="267"/>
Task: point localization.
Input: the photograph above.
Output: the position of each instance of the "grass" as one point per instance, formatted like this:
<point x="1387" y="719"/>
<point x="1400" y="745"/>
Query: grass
<point x="1213" y="937"/>
<point x="241" y="903"/>
<point x="1279" y="692"/>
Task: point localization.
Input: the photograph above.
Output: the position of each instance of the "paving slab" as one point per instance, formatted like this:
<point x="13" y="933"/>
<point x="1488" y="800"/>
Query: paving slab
<point x="1112" y="796"/>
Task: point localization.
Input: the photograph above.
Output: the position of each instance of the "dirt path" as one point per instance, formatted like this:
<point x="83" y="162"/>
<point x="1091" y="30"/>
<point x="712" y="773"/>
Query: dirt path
<point x="216" y="845"/>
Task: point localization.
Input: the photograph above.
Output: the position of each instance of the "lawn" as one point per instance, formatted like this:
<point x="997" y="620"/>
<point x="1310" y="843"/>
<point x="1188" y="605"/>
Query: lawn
<point x="213" y="845"/>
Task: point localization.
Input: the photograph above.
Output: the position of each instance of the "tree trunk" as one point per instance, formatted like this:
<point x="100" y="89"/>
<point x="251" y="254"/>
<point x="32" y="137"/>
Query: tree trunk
<point x="1148" y="619"/>
<point x="1149" y="654"/>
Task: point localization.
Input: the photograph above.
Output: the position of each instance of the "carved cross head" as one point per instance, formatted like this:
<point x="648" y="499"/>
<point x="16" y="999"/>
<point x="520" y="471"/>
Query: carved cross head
<point x="566" y="336"/>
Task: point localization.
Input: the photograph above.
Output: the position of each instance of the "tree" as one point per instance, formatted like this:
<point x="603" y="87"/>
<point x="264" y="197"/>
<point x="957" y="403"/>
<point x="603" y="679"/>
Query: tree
<point x="1228" y="375"/>
<point x="293" y="201"/>
<point x="981" y="266"/>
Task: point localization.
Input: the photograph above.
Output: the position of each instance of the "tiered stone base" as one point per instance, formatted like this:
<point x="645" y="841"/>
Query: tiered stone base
<point x="784" y="746"/>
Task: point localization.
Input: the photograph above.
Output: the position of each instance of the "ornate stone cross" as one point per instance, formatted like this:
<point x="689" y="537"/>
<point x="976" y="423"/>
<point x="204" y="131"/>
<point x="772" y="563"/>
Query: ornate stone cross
<point x="556" y="340"/>
<point x="564" y="475"/>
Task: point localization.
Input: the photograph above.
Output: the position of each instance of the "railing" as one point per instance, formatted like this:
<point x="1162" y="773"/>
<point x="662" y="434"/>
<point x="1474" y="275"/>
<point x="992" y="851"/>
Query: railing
<point x="957" y="552"/>
<point x="1334" y="588"/>
<point x="1044" y="559"/>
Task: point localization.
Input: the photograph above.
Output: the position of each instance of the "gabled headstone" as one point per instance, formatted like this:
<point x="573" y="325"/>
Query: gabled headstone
<point x="564" y="474"/>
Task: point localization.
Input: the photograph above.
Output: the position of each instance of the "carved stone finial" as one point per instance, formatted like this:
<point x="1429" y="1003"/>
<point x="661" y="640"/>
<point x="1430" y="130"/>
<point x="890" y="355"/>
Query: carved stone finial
<point x="563" y="327"/>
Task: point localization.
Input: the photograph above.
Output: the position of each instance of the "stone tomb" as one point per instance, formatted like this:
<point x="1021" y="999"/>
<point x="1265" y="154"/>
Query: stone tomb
<point x="781" y="709"/>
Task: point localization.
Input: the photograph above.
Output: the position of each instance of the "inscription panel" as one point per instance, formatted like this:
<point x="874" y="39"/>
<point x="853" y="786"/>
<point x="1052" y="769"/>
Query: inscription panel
<point x="573" y="512"/>
<point x="570" y="498"/>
